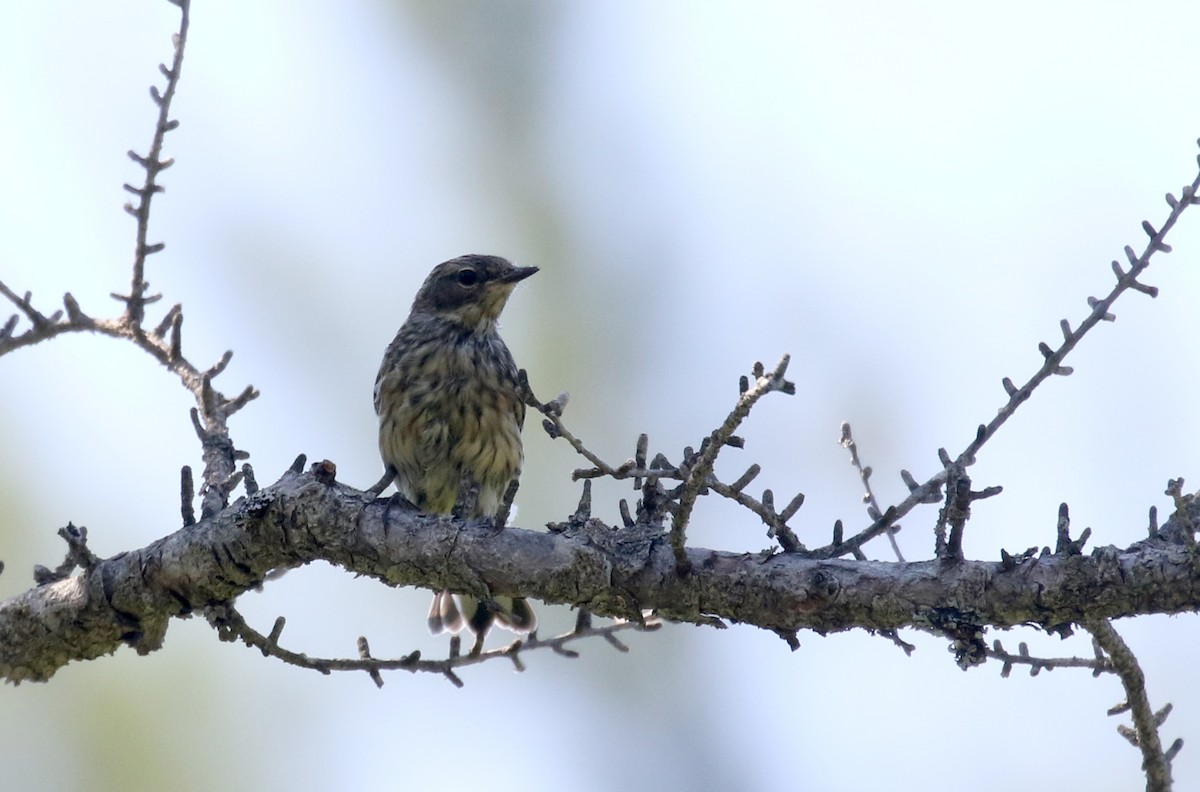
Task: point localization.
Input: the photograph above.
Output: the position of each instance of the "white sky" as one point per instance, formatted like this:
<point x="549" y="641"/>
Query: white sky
<point x="907" y="198"/>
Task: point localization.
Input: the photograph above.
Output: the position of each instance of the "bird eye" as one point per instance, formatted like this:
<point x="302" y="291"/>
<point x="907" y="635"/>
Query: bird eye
<point x="468" y="277"/>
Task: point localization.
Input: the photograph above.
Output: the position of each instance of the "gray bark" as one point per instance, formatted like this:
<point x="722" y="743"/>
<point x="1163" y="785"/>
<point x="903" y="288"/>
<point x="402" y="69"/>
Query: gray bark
<point x="130" y="598"/>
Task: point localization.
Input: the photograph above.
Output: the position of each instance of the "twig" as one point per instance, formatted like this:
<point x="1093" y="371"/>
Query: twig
<point x="44" y="327"/>
<point x="1098" y="664"/>
<point x="701" y="469"/>
<point x="775" y="521"/>
<point x="153" y="164"/>
<point x="954" y="514"/>
<point x="1155" y="762"/>
<point x="79" y="556"/>
<point x="164" y="341"/>
<point x="232" y="626"/>
<point x="1052" y="364"/>
<point x="693" y="472"/>
<point x="553" y="424"/>
<point x="864" y="473"/>
<point x="957" y="510"/>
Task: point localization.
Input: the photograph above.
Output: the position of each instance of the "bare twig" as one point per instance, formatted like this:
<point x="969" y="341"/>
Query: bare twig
<point x="954" y="514"/>
<point x="864" y="473"/>
<point x="1098" y="664"/>
<point x="694" y="471"/>
<point x="701" y="469"/>
<point x="79" y="556"/>
<point x="1052" y="363"/>
<point x="187" y="493"/>
<point x="164" y="341"/>
<point x="231" y="626"/>
<point x="1155" y="761"/>
<point x="44" y="327"/>
<point x="153" y="163"/>
<point x="1064" y="543"/>
<point x="776" y="522"/>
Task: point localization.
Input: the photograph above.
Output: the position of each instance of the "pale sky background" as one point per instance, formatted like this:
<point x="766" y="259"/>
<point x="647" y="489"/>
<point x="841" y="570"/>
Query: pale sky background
<point x="905" y="197"/>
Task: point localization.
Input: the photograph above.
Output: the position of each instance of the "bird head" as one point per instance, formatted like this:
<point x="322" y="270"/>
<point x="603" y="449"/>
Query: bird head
<point x="469" y="290"/>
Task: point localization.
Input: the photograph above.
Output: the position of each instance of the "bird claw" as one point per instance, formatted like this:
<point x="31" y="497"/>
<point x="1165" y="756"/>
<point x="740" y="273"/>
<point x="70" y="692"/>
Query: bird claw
<point x="378" y="487"/>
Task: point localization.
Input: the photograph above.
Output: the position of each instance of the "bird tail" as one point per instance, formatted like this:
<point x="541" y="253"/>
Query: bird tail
<point x="444" y="614"/>
<point x="450" y="613"/>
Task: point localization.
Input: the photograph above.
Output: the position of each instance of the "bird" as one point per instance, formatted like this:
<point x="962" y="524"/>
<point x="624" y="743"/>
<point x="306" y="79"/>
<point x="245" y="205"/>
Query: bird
<point x="451" y="410"/>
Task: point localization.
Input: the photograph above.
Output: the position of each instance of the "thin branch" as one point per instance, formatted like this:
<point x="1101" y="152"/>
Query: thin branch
<point x="1126" y="280"/>
<point x="701" y="469"/>
<point x="153" y="164"/>
<point x="1098" y="664"/>
<point x="954" y="514"/>
<point x="164" y="341"/>
<point x="1052" y="363"/>
<point x="43" y="327"/>
<point x="35" y="317"/>
<point x="694" y="471"/>
<point x="1154" y="761"/>
<point x="776" y="522"/>
<point x="232" y="626"/>
<point x="874" y="511"/>
<point x="553" y="424"/>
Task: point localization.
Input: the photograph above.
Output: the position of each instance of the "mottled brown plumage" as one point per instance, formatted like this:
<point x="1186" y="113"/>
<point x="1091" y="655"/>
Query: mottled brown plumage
<point x="450" y="412"/>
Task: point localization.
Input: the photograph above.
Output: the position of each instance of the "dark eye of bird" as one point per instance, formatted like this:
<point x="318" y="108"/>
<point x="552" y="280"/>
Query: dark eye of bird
<point x="468" y="277"/>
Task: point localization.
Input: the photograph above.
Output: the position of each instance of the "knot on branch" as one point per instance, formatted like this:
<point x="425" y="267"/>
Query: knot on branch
<point x="79" y="556"/>
<point x="325" y="472"/>
<point x="965" y="635"/>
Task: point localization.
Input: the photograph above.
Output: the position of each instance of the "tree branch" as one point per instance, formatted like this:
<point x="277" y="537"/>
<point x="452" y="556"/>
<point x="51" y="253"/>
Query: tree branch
<point x="131" y="597"/>
<point x="1155" y="762"/>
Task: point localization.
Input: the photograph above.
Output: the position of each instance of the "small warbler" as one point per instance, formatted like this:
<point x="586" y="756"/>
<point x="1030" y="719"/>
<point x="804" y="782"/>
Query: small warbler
<point x="450" y="415"/>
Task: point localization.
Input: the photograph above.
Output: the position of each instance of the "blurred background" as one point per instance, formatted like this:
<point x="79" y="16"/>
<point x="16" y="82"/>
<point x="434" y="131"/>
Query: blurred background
<point x="907" y="198"/>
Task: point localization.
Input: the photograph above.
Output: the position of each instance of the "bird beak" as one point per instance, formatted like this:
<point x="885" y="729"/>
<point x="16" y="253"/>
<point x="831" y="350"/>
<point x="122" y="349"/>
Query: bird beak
<point x="517" y="274"/>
